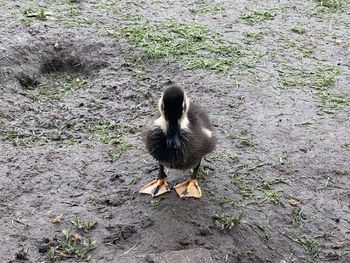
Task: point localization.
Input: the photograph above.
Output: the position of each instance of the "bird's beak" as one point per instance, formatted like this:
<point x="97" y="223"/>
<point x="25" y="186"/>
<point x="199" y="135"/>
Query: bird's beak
<point x="173" y="136"/>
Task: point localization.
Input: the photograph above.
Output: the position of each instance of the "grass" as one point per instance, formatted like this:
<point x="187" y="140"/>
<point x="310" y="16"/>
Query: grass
<point x="222" y="156"/>
<point x="40" y="15"/>
<point x="298" y="29"/>
<point x="310" y="245"/>
<point x="196" y="45"/>
<point x="204" y="172"/>
<point x="248" y="167"/>
<point x="206" y="9"/>
<point x="268" y="184"/>
<point x="227" y="221"/>
<point x="245" y="188"/>
<point x="269" y="193"/>
<point x="245" y="140"/>
<point x="259" y="17"/>
<point x="283" y="159"/>
<point x="333" y="98"/>
<point x="163" y="44"/>
<point x="210" y="63"/>
<point x="83" y="225"/>
<point x="239" y="178"/>
<point x="320" y="78"/>
<point x="263" y="233"/>
<point x="194" y="32"/>
<point x="116" y="152"/>
<point x="251" y="35"/>
<point x="71" y="245"/>
<point x="271" y="196"/>
<point x="113" y="134"/>
<point x="331" y="102"/>
<point x="228" y="201"/>
<point x="56" y="87"/>
<point x="105" y="132"/>
<point x="345" y="146"/>
<point x="69" y="14"/>
<point x="333" y="5"/>
<point x="298" y="217"/>
<point x="155" y="204"/>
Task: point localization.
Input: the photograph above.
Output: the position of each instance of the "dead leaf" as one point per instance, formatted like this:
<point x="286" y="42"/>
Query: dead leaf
<point x="12" y="259"/>
<point x="77" y="237"/>
<point x="57" y="219"/>
<point x="312" y="40"/>
<point x="294" y="202"/>
<point x="338" y="41"/>
<point x="338" y="245"/>
<point x="111" y="32"/>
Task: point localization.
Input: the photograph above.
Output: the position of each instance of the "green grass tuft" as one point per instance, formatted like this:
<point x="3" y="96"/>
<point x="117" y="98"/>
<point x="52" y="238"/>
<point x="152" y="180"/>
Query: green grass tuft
<point x="71" y="245"/>
<point x="251" y="35"/>
<point x="204" y="172"/>
<point x="299" y="29"/>
<point x="57" y="87"/>
<point x="195" y="44"/>
<point x="333" y="98"/>
<point x="40" y="15"/>
<point x="83" y="225"/>
<point x="298" y="217"/>
<point x="245" y="188"/>
<point x="320" y="79"/>
<point x="222" y="156"/>
<point x="333" y="5"/>
<point x="194" y="32"/>
<point x="310" y="245"/>
<point x="244" y="139"/>
<point x="113" y="134"/>
<point x="223" y="64"/>
<point x="259" y="17"/>
<point x="271" y="196"/>
<point x="331" y="102"/>
<point x="164" y="44"/>
<point x="207" y="9"/>
<point x="227" y="221"/>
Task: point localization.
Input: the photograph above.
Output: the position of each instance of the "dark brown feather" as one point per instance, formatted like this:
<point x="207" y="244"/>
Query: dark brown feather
<point x="194" y="143"/>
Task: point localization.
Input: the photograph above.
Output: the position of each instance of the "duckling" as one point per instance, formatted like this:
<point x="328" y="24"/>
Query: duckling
<point x="179" y="138"/>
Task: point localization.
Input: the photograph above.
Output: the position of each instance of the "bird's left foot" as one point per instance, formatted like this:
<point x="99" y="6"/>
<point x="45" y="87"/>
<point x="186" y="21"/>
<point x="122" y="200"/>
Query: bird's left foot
<point x="189" y="188"/>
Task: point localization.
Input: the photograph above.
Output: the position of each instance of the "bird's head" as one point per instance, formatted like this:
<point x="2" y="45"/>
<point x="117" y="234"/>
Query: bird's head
<point x="173" y="107"/>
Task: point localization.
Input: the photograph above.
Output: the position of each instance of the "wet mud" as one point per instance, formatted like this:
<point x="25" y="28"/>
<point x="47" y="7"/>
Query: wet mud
<point x="79" y="79"/>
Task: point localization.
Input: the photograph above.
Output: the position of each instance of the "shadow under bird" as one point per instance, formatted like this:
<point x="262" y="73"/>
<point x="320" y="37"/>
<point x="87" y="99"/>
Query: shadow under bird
<point x="179" y="139"/>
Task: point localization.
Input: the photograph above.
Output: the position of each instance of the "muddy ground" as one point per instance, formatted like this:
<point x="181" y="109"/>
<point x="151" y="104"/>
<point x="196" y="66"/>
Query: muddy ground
<point x="79" y="79"/>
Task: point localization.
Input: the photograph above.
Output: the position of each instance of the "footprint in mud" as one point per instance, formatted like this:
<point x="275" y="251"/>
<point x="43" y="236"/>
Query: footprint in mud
<point x="146" y="222"/>
<point x="118" y="199"/>
<point x="44" y="245"/>
<point x="119" y="232"/>
<point x="20" y="256"/>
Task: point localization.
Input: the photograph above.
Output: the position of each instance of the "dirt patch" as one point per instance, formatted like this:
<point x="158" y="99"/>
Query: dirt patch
<point x="79" y="79"/>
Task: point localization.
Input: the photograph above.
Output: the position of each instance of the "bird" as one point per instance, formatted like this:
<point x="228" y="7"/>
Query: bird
<point x="178" y="138"/>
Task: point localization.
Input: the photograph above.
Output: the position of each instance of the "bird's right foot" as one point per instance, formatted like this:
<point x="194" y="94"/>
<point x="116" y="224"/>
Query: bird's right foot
<point x="155" y="188"/>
